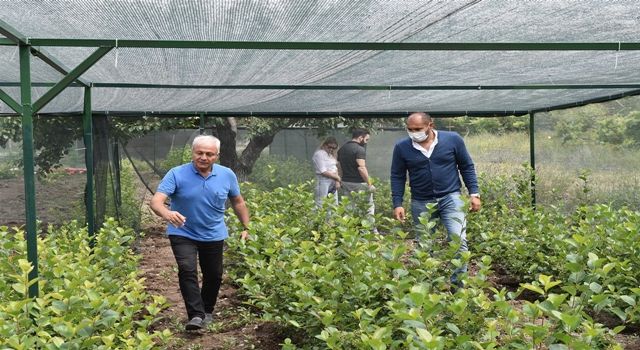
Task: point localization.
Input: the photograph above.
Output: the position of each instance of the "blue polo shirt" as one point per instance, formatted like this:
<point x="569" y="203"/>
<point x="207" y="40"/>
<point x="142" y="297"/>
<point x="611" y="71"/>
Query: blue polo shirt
<point x="200" y="200"/>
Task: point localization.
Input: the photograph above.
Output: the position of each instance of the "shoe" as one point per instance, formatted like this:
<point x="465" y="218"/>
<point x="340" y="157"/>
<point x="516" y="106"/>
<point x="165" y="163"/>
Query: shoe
<point x="194" y="324"/>
<point x="208" y="318"/>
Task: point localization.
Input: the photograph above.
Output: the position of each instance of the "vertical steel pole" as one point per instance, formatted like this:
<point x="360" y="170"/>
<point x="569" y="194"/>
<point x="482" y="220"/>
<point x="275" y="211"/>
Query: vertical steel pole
<point x="87" y="125"/>
<point x="202" y="123"/>
<point x="27" y="157"/>
<point x="532" y="156"/>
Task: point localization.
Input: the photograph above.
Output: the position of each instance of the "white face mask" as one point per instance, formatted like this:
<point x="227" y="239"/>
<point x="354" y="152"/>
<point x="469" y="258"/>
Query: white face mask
<point x="418" y="136"/>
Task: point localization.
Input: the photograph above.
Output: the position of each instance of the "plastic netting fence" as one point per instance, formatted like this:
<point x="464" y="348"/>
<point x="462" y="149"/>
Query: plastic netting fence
<point x="581" y="157"/>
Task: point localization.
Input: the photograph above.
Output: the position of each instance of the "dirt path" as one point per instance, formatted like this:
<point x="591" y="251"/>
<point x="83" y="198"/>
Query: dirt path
<point x="234" y="326"/>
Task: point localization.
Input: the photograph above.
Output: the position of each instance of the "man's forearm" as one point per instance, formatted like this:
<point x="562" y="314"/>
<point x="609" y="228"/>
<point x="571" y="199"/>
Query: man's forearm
<point x="364" y="174"/>
<point x="158" y="207"/>
<point x="242" y="212"/>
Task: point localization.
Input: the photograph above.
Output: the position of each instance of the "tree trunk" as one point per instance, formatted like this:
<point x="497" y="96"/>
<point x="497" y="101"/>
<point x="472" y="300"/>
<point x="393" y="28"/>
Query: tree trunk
<point x="252" y="152"/>
<point x="227" y="132"/>
<point x="100" y="165"/>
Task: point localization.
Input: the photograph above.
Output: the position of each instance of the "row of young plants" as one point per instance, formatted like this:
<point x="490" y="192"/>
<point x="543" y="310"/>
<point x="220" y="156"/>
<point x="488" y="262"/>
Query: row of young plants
<point x="90" y="298"/>
<point x="594" y="250"/>
<point x="328" y="275"/>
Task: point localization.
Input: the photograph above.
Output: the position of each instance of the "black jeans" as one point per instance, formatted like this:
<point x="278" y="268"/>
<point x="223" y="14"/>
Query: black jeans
<point x="187" y="251"/>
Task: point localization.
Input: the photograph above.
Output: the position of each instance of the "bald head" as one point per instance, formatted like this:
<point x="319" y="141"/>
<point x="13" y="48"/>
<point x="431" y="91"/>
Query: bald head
<point x="419" y="117"/>
<point x="420" y="127"/>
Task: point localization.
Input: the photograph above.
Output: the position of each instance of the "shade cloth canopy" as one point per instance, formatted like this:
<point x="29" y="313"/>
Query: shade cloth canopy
<point x="165" y="76"/>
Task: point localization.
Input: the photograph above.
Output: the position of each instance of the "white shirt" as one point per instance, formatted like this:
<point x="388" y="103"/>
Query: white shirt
<point x="427" y="152"/>
<point x="322" y="162"/>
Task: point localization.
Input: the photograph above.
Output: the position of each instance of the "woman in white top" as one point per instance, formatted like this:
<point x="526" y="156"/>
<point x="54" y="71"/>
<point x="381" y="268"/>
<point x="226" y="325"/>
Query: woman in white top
<point x="326" y="167"/>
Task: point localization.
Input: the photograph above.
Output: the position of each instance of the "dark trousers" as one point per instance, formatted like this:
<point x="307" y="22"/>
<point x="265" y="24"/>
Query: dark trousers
<point x="187" y="251"/>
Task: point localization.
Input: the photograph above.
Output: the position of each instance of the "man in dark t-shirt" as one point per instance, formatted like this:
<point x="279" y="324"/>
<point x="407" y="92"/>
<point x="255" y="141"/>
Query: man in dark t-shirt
<point x="353" y="168"/>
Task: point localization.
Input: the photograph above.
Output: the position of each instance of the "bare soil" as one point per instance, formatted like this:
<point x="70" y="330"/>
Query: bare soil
<point x="58" y="199"/>
<point x="234" y="325"/>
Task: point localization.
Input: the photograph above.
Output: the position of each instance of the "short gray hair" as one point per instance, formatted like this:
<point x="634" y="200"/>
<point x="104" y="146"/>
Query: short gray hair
<point x="206" y="139"/>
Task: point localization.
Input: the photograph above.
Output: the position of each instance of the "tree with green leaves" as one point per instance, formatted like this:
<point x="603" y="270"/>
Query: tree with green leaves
<point x="53" y="136"/>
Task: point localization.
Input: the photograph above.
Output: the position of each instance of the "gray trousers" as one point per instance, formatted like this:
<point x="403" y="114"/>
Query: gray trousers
<point x="356" y="189"/>
<point x="324" y="185"/>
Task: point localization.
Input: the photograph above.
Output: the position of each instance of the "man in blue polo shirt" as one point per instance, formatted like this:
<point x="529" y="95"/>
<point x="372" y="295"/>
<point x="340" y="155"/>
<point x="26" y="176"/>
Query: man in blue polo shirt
<point x="434" y="160"/>
<point x="198" y="192"/>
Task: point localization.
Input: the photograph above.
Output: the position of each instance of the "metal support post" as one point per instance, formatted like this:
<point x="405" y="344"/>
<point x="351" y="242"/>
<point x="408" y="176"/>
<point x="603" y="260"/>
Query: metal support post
<point x="87" y="124"/>
<point x="29" y="168"/>
<point x="202" y="123"/>
<point x="532" y="156"/>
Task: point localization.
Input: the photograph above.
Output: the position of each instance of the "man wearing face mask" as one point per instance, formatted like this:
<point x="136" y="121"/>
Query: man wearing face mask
<point x="434" y="161"/>
<point x="353" y="168"/>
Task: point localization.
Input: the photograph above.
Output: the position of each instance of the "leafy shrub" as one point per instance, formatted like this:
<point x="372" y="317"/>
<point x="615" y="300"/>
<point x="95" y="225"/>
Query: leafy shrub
<point x="591" y="250"/>
<point x="497" y="125"/>
<point x="594" y="123"/>
<point x="129" y="211"/>
<point x="270" y="172"/>
<point x="89" y="298"/>
<point x="10" y="161"/>
<point x="632" y="130"/>
<point x="9" y="170"/>
<point x="326" y="275"/>
<point x="175" y="157"/>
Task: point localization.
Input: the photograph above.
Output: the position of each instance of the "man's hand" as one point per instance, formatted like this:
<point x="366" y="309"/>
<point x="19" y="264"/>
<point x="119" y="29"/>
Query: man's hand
<point x="174" y="218"/>
<point x="476" y="203"/>
<point x="244" y="235"/>
<point x="398" y="213"/>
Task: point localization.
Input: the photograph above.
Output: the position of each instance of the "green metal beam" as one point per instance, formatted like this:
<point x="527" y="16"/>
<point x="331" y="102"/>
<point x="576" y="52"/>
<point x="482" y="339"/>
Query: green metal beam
<point x="14" y="37"/>
<point x="371" y="87"/>
<point x="354" y="114"/>
<point x="10" y="102"/>
<point x="69" y="78"/>
<point x="587" y="101"/>
<point x="351" y="114"/>
<point x="7" y="42"/>
<point x="343" y="87"/>
<point x="202" y="120"/>
<point x="12" y="34"/>
<point x="87" y="124"/>
<point x="55" y="64"/>
<point x="27" y="157"/>
<point x="376" y="46"/>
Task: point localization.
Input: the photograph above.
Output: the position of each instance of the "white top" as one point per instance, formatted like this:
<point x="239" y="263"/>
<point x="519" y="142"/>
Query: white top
<point x="427" y="152"/>
<point x="322" y="162"/>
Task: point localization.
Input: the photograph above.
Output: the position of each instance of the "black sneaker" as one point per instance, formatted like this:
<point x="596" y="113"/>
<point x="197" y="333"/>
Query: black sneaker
<point x="194" y="324"/>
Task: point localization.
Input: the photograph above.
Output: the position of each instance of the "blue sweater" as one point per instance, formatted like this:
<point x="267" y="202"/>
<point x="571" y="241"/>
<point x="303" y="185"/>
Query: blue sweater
<point x="434" y="177"/>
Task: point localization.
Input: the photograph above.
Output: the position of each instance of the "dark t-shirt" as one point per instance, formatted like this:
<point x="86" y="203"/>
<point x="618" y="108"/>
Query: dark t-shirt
<point x="347" y="156"/>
